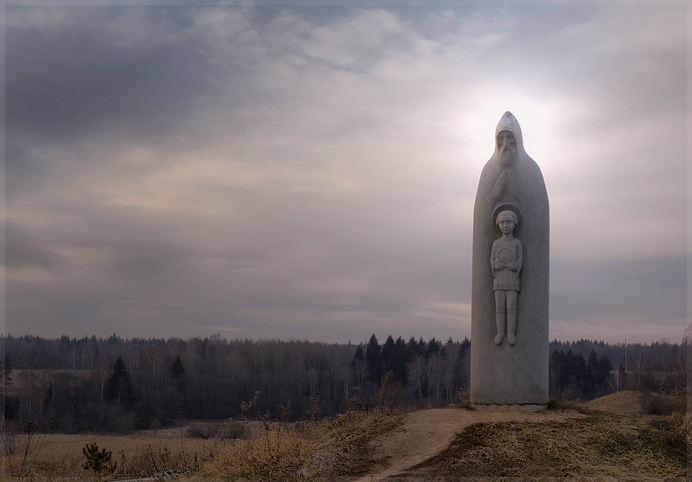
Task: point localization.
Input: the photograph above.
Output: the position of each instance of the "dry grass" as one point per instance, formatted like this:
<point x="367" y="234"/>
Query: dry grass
<point x="321" y="451"/>
<point x="626" y="401"/>
<point x="601" y="445"/>
<point x="596" y="445"/>
<point x="57" y="457"/>
<point x="273" y="451"/>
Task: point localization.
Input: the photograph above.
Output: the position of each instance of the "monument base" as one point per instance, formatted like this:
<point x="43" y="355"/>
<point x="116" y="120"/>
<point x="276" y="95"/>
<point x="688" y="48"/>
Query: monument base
<point x="521" y="407"/>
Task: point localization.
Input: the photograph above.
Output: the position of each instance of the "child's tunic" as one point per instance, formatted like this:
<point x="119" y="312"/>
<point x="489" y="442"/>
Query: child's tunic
<point x="506" y="252"/>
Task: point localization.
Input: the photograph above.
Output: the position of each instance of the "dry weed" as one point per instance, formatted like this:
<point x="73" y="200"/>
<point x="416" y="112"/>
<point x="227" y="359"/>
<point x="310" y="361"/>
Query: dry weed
<point x="277" y="455"/>
<point x="600" y="445"/>
<point x="17" y="459"/>
<point x="61" y="458"/>
<point x="328" y="449"/>
<point x="343" y="447"/>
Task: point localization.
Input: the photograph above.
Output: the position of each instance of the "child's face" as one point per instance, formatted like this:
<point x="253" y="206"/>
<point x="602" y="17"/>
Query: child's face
<point x="506" y="224"/>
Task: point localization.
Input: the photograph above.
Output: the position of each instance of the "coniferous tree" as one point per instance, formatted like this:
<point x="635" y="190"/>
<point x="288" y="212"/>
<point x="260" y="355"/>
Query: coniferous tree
<point x="359" y="365"/>
<point x="372" y="357"/>
<point x="7" y="372"/>
<point x="573" y="377"/>
<point x="386" y="354"/>
<point x="412" y="347"/>
<point x="604" y="369"/>
<point x="178" y="374"/>
<point x="399" y="360"/>
<point x="119" y="385"/>
<point x="580" y="377"/>
<point x="8" y="405"/>
<point x="3" y="389"/>
<point x="433" y="347"/>
<point x="591" y="375"/>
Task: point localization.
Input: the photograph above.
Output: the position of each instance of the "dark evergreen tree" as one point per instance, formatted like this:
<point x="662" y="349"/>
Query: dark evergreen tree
<point x="604" y="369"/>
<point x="591" y="375"/>
<point x="358" y="367"/>
<point x="7" y="371"/>
<point x="432" y="348"/>
<point x="566" y="368"/>
<point x="9" y="405"/>
<point x="580" y="375"/>
<point x="554" y="373"/>
<point x="412" y="347"/>
<point x="372" y="356"/>
<point x="399" y="360"/>
<point x="119" y="385"/>
<point x="178" y="374"/>
<point x="572" y="377"/>
<point x="387" y="353"/>
<point x="177" y="369"/>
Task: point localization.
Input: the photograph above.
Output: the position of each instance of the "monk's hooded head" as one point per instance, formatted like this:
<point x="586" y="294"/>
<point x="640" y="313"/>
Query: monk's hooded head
<point x="508" y="140"/>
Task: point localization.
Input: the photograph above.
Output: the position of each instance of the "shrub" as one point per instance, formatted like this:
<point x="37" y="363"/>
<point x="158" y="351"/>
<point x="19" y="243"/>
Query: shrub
<point x="324" y="450"/>
<point x="97" y="460"/>
<point x="656" y="403"/>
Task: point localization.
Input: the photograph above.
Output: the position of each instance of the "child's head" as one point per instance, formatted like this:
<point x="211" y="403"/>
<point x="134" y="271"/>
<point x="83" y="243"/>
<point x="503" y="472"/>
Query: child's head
<point x="507" y="215"/>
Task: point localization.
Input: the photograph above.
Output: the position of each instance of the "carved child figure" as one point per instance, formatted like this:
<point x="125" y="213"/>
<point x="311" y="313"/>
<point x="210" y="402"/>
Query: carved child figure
<point x="505" y="261"/>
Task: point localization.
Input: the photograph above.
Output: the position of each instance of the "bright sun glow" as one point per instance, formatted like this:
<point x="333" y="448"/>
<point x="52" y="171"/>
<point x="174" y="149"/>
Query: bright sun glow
<point x="534" y="118"/>
<point x="535" y="113"/>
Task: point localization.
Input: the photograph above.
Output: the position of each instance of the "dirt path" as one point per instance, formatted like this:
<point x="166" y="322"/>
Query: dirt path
<point x="428" y="432"/>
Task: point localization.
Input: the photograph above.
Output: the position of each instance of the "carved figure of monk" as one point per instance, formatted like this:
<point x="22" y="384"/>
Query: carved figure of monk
<point x="505" y="262"/>
<point x="510" y="181"/>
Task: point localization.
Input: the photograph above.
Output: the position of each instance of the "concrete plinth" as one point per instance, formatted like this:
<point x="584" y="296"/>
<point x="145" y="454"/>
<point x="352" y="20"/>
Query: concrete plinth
<point x="493" y="407"/>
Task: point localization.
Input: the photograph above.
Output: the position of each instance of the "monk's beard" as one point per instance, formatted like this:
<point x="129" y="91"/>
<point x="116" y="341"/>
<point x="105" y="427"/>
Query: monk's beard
<point x="508" y="157"/>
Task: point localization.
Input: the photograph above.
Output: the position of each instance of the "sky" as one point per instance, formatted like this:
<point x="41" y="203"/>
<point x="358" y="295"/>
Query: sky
<point x="309" y="172"/>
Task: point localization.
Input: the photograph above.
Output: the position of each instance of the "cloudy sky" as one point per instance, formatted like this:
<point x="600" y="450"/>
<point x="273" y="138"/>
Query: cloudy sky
<point x="309" y="172"/>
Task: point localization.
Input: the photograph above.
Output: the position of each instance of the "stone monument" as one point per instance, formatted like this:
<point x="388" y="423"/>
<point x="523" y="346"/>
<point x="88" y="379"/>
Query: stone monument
<point x="509" y="302"/>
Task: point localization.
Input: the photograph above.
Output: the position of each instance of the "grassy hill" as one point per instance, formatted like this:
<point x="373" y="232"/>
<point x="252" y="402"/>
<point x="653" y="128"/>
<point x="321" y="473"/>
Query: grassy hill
<point x="606" y="439"/>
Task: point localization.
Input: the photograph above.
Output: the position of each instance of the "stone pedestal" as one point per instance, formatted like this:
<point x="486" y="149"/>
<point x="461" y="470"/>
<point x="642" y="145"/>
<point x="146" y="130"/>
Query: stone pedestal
<point x="495" y="407"/>
<point x="504" y="373"/>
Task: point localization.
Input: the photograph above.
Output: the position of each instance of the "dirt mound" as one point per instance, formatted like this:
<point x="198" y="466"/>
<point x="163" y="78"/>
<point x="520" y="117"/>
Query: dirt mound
<point x="621" y="402"/>
<point x="599" y="446"/>
<point x="456" y="444"/>
<point x="428" y="432"/>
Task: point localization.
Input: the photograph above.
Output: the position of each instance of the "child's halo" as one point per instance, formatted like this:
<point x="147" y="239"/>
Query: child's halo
<point x="507" y="207"/>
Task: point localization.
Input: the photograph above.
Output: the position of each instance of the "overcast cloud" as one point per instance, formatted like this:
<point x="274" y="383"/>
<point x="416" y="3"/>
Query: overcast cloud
<point x="309" y="172"/>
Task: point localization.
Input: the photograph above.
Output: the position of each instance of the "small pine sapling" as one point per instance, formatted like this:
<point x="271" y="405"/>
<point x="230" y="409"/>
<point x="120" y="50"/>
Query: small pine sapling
<point x="98" y="460"/>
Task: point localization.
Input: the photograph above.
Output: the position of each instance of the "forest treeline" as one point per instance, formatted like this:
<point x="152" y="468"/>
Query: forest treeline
<point x="117" y="384"/>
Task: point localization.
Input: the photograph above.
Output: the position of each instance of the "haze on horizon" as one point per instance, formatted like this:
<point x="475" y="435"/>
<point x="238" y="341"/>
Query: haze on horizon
<point x="309" y="172"/>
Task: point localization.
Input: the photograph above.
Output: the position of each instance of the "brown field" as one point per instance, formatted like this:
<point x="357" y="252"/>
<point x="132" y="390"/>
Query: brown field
<point x="607" y="439"/>
<point x="60" y="457"/>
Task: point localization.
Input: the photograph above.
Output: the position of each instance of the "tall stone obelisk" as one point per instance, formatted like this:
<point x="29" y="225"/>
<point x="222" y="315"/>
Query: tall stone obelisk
<point x="511" y="236"/>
